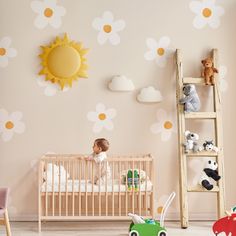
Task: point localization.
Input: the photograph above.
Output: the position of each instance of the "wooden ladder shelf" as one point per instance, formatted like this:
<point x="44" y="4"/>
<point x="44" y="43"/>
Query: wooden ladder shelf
<point x="216" y="117"/>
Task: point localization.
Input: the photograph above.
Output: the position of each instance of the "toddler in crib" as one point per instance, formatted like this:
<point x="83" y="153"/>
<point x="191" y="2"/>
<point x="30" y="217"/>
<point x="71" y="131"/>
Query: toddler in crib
<point x="99" y="156"/>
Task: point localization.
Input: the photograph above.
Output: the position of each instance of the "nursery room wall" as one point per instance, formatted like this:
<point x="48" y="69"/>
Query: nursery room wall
<point x="37" y="117"/>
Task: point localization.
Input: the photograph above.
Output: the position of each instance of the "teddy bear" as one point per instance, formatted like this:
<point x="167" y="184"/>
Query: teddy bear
<point x="208" y="71"/>
<point x="191" y="100"/>
<point x="191" y="142"/>
<point x="209" y="146"/>
<point x="208" y="173"/>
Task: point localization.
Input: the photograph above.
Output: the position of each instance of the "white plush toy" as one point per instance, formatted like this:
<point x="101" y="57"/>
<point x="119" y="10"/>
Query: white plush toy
<point x="191" y="141"/>
<point x="209" y="147"/>
<point x="209" y="172"/>
<point x="53" y="172"/>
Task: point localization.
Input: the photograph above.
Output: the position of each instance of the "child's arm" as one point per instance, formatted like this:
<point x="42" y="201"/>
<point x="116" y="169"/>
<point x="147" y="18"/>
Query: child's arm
<point x="90" y="157"/>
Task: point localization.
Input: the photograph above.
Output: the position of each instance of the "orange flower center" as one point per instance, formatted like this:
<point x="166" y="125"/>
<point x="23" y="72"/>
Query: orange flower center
<point x="107" y="28"/>
<point x="207" y="12"/>
<point x="102" y="116"/>
<point x="168" y="125"/>
<point x="159" y="209"/>
<point x="9" y="125"/>
<point x="160" y="51"/>
<point x="2" y="51"/>
<point x="48" y="12"/>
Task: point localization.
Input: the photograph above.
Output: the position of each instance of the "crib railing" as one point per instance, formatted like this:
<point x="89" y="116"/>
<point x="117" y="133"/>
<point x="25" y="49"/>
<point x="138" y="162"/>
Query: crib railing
<point x="67" y="192"/>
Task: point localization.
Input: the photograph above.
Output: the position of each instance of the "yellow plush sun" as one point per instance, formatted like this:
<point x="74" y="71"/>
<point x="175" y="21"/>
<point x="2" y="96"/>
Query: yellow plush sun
<point x="63" y="61"/>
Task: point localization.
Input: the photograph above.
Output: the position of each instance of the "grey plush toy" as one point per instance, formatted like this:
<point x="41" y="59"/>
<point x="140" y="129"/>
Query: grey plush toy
<point x="191" y="100"/>
<point x="191" y="142"/>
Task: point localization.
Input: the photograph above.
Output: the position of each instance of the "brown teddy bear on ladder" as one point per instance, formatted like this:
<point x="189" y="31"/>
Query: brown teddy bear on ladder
<point x="208" y="71"/>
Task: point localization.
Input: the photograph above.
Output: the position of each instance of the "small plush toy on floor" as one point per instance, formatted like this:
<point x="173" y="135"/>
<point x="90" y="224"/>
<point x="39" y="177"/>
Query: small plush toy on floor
<point x="208" y="71"/>
<point x="191" y="142"/>
<point x="191" y="100"/>
<point x="209" y="172"/>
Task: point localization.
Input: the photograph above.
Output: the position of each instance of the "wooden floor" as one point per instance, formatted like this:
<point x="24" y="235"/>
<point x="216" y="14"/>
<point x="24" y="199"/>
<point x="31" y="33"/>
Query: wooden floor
<point x="100" y="229"/>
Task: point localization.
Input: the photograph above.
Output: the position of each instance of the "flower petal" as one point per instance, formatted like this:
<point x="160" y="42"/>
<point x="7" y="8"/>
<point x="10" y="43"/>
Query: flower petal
<point x="5" y="42"/>
<point x="150" y="55"/>
<point x="97" y="127"/>
<point x="214" y="22"/>
<point x="7" y="135"/>
<point x="92" y="116"/>
<point x="19" y="127"/>
<point x="156" y="128"/>
<point x="15" y="116"/>
<point x="11" y="52"/>
<point x="165" y="135"/>
<point x="98" y="23"/>
<point x="111" y="113"/>
<point x="3" y="115"/>
<point x="60" y="11"/>
<point x="161" y="115"/>
<point x="100" y="107"/>
<point x="40" y="22"/>
<point x="119" y="25"/>
<point x="114" y="38"/>
<point x="161" y="61"/>
<point x="37" y="6"/>
<point x="55" y="22"/>
<point x="3" y="61"/>
<point x="102" y="37"/>
<point x="151" y="43"/>
<point x="51" y="89"/>
<point x="199" y="22"/>
<point x="108" y="125"/>
<point x="108" y="16"/>
<point x="219" y="11"/>
<point x="164" y="42"/>
<point x="195" y="6"/>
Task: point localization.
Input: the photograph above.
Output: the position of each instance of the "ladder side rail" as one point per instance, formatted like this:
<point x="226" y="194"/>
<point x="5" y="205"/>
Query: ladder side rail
<point x="182" y="156"/>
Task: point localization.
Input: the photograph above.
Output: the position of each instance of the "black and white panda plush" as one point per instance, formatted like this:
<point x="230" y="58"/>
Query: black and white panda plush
<point x="209" y="172"/>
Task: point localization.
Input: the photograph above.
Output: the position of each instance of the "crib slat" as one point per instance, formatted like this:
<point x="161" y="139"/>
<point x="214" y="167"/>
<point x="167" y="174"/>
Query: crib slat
<point x="106" y="198"/>
<point x="46" y="194"/>
<point x="73" y="190"/>
<point x="99" y="194"/>
<point x="86" y="188"/>
<point x="53" y="194"/>
<point x="153" y="188"/>
<point x="119" y="171"/>
<point x="133" y="187"/>
<point x="113" y="188"/>
<point x="66" y="168"/>
<point x="59" y="188"/>
<point x="93" y="188"/>
<point x="139" y="196"/>
<point x="80" y="170"/>
<point x="146" y="171"/>
<point x="126" y="188"/>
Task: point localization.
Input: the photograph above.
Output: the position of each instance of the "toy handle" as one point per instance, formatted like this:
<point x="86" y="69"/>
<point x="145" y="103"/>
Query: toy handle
<point x="165" y="208"/>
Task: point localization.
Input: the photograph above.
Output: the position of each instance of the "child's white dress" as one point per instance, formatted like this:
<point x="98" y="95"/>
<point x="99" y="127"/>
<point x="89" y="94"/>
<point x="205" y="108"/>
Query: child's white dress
<point x="101" y="168"/>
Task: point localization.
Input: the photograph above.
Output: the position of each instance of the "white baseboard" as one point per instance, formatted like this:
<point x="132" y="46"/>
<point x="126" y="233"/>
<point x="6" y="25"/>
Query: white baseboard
<point x="193" y="216"/>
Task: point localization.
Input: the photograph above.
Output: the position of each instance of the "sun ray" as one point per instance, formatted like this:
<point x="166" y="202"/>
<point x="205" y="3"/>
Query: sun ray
<point x="63" y="61"/>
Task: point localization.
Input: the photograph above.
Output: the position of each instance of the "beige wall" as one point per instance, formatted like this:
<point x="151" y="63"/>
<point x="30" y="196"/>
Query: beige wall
<point x="59" y="123"/>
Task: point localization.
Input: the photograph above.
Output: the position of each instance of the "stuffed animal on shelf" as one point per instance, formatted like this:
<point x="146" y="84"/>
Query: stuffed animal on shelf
<point x="208" y="71"/>
<point x="209" y="146"/>
<point x="191" y="100"/>
<point x="208" y="173"/>
<point x="191" y="142"/>
<point x="133" y="179"/>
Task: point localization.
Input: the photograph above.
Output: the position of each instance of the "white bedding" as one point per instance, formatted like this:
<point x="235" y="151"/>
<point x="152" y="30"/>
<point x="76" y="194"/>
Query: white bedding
<point x="82" y="186"/>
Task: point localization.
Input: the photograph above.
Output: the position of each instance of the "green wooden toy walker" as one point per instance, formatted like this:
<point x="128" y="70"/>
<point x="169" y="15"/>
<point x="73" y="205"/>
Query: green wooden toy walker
<point x="149" y="227"/>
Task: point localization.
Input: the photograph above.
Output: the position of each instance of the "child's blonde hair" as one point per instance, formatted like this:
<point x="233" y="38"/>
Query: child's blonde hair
<point x="102" y="143"/>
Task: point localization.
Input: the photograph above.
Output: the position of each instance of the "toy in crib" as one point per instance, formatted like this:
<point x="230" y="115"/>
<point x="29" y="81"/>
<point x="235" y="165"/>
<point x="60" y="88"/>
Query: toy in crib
<point x="132" y="179"/>
<point x="150" y="227"/>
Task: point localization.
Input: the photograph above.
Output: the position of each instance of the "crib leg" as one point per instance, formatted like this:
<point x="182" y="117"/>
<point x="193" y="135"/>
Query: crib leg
<point x="39" y="225"/>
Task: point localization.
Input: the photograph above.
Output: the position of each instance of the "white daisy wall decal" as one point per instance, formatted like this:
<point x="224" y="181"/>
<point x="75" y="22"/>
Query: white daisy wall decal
<point x="108" y="28"/>
<point x="158" y="50"/>
<point x="6" y="51"/>
<point x="10" y="124"/>
<point x="102" y="118"/>
<point x="48" y="12"/>
<point x="165" y="125"/>
<point x="50" y="89"/>
<point x="222" y="81"/>
<point x="207" y="13"/>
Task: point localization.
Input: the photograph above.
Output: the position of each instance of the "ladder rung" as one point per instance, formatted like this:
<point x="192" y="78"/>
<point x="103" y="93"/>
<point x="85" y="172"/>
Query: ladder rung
<point x="190" y="80"/>
<point x="202" y="154"/>
<point x="198" y="188"/>
<point x="200" y="115"/>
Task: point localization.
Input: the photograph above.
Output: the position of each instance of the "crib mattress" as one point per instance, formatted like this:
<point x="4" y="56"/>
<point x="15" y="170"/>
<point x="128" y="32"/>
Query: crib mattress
<point x="81" y="187"/>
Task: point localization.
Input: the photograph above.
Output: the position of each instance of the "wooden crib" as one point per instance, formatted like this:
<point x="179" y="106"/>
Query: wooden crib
<point x="66" y="191"/>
